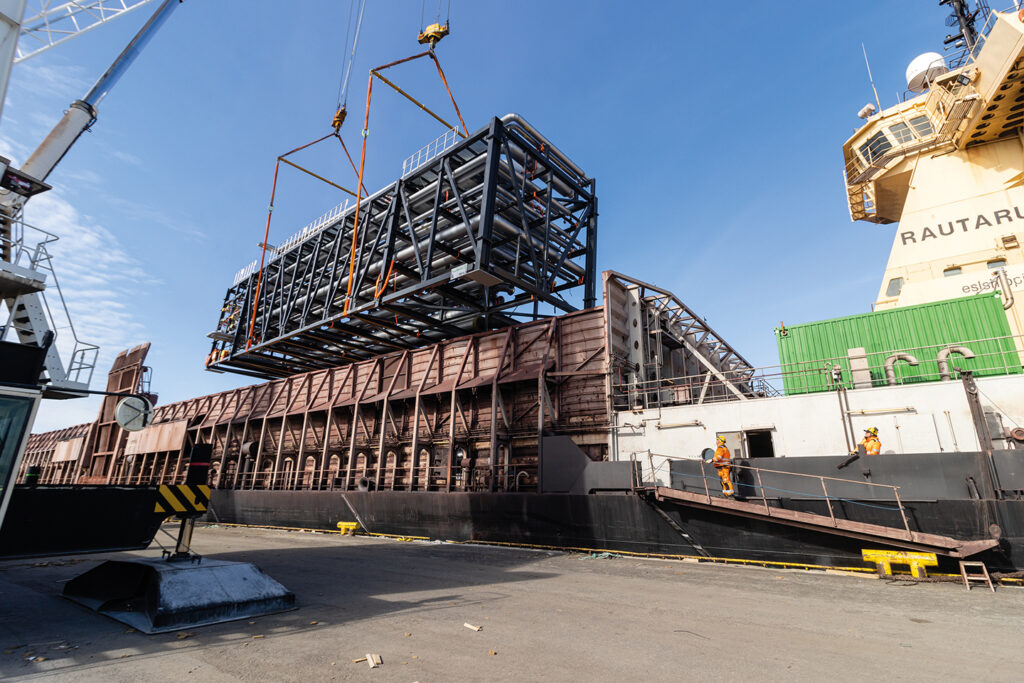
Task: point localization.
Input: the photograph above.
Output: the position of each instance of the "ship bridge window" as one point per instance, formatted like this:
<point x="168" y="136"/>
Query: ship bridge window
<point x="876" y="146"/>
<point x="901" y="132"/>
<point x="895" y="287"/>
<point x="998" y="263"/>
<point x="922" y="126"/>
<point x="952" y="272"/>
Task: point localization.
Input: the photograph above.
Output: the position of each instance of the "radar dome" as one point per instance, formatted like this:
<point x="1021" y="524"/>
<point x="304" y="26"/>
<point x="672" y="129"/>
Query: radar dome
<point x="925" y="69"/>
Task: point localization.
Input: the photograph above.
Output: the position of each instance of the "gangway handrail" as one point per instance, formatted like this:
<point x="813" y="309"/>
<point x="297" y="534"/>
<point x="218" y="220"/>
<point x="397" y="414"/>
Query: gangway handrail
<point x="821" y="478"/>
<point x="795" y="474"/>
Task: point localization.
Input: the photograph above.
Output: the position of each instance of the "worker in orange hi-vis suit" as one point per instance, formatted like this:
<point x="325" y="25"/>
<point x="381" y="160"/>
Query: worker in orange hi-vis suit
<point x="723" y="465"/>
<point x="870" y="442"/>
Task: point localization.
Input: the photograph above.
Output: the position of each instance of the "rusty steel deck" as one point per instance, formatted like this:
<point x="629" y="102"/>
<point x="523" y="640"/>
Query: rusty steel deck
<point x="463" y="414"/>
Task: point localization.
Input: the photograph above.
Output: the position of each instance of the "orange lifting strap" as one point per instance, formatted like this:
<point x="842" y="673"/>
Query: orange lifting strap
<point x="270" y="210"/>
<point x="339" y="118"/>
<point x="375" y="73"/>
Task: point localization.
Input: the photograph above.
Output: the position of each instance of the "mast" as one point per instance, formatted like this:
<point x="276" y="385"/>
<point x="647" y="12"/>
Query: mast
<point x="964" y="18"/>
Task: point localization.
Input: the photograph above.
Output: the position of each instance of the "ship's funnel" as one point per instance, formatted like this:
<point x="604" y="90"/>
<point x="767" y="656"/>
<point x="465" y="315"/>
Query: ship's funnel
<point x="923" y="70"/>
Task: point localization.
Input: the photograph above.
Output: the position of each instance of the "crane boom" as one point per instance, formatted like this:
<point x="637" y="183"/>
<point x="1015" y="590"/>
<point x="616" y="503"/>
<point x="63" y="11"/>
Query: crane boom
<point x="82" y="113"/>
<point x="50" y="23"/>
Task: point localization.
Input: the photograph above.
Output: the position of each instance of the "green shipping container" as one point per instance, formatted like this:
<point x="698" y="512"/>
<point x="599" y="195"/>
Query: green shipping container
<point x="808" y="351"/>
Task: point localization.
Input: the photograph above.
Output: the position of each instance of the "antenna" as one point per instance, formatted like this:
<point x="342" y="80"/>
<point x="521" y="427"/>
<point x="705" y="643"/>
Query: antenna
<point x="870" y="77"/>
<point x="964" y="19"/>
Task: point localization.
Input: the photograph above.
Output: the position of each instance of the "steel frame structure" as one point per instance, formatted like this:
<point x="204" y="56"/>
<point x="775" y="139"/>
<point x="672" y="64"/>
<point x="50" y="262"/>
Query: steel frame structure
<point x="469" y="413"/>
<point x="463" y="414"/>
<point x="477" y="238"/>
<point x="653" y="336"/>
<point x="51" y="22"/>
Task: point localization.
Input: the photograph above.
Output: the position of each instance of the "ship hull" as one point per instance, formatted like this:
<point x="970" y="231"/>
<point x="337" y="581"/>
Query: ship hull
<point x="68" y="520"/>
<point x="939" y="494"/>
<point x="619" y="523"/>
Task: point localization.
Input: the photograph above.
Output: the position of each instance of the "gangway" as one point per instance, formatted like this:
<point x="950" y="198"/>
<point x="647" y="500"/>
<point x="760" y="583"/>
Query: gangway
<point x="901" y="537"/>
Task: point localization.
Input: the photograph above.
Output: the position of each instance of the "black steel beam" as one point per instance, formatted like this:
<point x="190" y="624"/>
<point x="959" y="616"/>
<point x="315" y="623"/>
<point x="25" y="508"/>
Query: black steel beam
<point x="475" y="237"/>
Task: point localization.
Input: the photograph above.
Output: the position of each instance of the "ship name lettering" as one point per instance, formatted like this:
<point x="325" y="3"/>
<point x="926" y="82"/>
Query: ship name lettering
<point x="998" y="217"/>
<point x="984" y="285"/>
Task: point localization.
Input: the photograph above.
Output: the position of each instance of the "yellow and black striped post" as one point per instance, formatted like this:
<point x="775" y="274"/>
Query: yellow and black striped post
<point x="182" y="499"/>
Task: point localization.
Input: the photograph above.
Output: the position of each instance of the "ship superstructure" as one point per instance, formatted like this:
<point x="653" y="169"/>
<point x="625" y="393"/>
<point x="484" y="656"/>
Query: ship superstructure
<point x="945" y="164"/>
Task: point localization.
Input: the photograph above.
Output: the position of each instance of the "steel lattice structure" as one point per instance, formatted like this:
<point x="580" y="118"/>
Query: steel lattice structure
<point x="51" y="22"/>
<point x="477" y="238"/>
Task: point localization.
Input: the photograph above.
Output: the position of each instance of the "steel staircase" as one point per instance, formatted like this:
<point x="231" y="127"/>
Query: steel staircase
<point x="24" y="272"/>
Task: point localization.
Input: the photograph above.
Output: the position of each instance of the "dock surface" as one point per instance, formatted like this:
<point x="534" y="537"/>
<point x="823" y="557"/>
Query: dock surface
<point x="544" y="615"/>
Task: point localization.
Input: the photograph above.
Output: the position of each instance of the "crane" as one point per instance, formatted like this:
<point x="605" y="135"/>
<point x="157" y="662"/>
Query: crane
<point x="26" y="268"/>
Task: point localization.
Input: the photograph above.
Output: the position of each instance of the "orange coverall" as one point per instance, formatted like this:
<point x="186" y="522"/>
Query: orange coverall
<point x="723" y="465"/>
<point x="871" y="444"/>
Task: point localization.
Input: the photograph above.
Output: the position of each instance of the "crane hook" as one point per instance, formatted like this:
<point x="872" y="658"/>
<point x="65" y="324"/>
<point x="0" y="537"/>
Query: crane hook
<point x="433" y="34"/>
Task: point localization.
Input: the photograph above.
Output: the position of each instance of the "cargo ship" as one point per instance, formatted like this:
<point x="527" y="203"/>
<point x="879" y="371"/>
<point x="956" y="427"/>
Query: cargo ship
<point x="415" y="383"/>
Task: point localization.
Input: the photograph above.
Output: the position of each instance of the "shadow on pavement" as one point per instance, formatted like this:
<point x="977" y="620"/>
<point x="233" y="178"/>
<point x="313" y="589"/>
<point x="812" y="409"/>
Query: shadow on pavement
<point x="335" y="581"/>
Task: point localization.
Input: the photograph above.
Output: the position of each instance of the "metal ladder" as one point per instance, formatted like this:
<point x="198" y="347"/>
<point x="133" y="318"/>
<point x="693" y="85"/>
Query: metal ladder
<point x="976" y="572"/>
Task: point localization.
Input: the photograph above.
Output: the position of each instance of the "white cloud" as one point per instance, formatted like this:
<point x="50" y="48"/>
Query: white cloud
<point x="126" y="157"/>
<point x="14" y="151"/>
<point x="47" y="81"/>
<point x="84" y="177"/>
<point x="98" y="278"/>
<point x="140" y="213"/>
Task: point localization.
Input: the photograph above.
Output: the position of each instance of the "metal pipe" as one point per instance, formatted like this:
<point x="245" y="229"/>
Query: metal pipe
<point x="883" y="411"/>
<point x="943" y="357"/>
<point x="1004" y="285"/>
<point x="844" y="416"/>
<point x="561" y="238"/>
<point x="82" y="113"/>
<point x="952" y="432"/>
<point x="692" y="423"/>
<point x="107" y="81"/>
<point x="439" y="262"/>
<point x="75" y="121"/>
<point x="517" y="120"/>
<point x="903" y="511"/>
<point x="831" y="513"/>
<point x="890" y="362"/>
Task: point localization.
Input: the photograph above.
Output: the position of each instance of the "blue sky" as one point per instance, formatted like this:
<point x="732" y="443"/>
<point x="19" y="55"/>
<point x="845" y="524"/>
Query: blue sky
<point x="715" y="138"/>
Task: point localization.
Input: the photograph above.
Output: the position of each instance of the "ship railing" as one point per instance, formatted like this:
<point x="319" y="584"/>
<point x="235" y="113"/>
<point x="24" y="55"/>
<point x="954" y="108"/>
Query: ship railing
<point x="422" y="156"/>
<point x="991" y="356"/>
<point x="964" y="55"/>
<point x="710" y="484"/>
<point x="947" y="106"/>
<point x="330" y="217"/>
<point x="430" y="151"/>
<point x="28" y="247"/>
